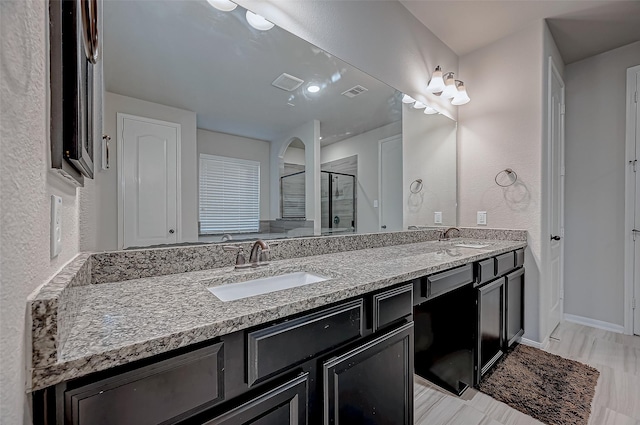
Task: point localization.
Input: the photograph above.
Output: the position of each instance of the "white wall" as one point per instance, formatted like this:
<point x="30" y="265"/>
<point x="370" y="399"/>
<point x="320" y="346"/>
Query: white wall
<point x="382" y="38"/>
<point x="294" y="156"/>
<point x="500" y="129"/>
<point x="595" y="178"/>
<point x="25" y="189"/>
<point x="213" y="143"/>
<point x="429" y="153"/>
<point x="364" y="145"/>
<point x="104" y="234"/>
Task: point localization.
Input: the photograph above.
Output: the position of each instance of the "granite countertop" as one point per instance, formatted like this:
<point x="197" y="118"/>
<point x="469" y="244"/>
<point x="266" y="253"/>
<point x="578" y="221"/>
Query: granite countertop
<point x="123" y="321"/>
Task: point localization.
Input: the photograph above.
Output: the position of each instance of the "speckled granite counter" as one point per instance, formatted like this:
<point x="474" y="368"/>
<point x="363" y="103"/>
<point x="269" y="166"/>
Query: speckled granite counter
<point x="114" y="323"/>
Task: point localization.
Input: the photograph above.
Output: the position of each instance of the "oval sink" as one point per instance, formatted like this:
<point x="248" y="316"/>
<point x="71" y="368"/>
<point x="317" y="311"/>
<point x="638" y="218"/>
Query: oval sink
<point x="265" y="285"/>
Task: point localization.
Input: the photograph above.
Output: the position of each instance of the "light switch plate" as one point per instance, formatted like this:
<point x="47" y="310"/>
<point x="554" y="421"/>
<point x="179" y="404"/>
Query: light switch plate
<point x="437" y="217"/>
<point x="482" y="218"/>
<point x="56" y="225"/>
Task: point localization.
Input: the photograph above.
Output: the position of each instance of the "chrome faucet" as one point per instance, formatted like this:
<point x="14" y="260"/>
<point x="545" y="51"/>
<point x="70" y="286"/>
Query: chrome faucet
<point x="445" y="235"/>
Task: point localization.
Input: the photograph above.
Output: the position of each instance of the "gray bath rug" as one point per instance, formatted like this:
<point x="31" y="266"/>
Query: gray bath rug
<point x="550" y="388"/>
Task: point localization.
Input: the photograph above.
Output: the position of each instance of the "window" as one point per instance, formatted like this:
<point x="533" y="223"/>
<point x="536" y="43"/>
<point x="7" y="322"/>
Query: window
<point x="229" y="195"/>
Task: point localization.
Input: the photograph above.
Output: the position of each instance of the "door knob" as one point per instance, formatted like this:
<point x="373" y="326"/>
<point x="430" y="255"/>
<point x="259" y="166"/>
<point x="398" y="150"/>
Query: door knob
<point x="171" y="231"/>
<point x="555" y="238"/>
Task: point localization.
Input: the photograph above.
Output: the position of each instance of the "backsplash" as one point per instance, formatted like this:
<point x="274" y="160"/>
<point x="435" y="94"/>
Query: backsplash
<point x="117" y="266"/>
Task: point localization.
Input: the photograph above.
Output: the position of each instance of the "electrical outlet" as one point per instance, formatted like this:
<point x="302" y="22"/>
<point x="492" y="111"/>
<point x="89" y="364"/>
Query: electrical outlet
<point x="482" y="218"/>
<point x="56" y="225"/>
<point x="437" y="217"/>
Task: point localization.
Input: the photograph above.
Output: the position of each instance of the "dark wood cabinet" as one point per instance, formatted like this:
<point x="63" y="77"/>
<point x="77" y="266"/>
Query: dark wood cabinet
<point x="373" y="383"/>
<point x="284" y="405"/>
<point x="162" y="392"/>
<point x="491" y="316"/>
<point x="515" y="306"/>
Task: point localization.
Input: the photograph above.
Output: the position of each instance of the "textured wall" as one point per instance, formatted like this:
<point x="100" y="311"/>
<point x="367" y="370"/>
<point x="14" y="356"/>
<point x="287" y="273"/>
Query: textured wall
<point x="502" y="127"/>
<point x="25" y="189"/>
<point x="595" y="174"/>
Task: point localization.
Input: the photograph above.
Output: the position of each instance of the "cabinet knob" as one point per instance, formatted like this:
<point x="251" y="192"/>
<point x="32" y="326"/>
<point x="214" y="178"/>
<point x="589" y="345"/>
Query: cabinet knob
<point x="555" y="238"/>
<point x="384" y="226"/>
<point x="171" y="231"/>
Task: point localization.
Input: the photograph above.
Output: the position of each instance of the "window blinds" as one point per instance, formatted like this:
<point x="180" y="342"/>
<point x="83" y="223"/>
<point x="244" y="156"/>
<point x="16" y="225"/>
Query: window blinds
<point x="229" y="195"/>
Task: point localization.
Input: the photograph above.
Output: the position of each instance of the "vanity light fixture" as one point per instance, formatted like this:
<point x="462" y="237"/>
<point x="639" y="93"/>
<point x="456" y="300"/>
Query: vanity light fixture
<point x="223" y="5"/>
<point x="313" y="88"/>
<point x="419" y="105"/>
<point x="430" y="111"/>
<point x="449" y="87"/>
<point x="436" y="84"/>
<point x="461" y="97"/>
<point x="258" y="22"/>
<point x="407" y="99"/>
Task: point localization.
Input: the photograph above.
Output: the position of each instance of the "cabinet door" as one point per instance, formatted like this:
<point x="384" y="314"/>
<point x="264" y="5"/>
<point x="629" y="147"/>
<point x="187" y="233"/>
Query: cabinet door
<point x="490" y="325"/>
<point x="283" y="405"/>
<point x="372" y="384"/>
<point x="515" y="306"/>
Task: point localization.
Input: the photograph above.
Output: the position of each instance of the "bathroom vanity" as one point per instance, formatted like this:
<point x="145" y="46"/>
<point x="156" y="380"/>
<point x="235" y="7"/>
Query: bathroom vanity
<point x="140" y="345"/>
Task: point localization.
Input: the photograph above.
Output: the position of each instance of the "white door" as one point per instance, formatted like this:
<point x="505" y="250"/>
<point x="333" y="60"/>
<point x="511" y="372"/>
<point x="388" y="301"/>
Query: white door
<point x="149" y="174"/>
<point x="556" y="196"/>
<point x="391" y="184"/>
<point x="636" y="203"/>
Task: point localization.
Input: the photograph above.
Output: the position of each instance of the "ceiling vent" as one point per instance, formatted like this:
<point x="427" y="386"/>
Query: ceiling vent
<point x="354" y="91"/>
<point x="287" y="82"/>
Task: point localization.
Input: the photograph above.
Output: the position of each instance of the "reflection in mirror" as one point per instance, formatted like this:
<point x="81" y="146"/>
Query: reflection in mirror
<point x="257" y="154"/>
<point x="429" y="143"/>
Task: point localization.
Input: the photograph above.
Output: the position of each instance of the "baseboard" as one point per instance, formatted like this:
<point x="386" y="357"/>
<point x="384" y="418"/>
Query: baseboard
<point x="599" y="324"/>
<point x="535" y="344"/>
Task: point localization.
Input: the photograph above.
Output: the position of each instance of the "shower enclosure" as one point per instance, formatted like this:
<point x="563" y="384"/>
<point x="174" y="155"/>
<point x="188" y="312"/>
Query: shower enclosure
<point x="337" y="200"/>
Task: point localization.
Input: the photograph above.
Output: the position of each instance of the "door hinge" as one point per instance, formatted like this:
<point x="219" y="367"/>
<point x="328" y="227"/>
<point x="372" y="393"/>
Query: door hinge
<point x="562" y="232"/>
<point x="563" y="109"/>
<point x="562" y="171"/>
<point x="633" y="303"/>
<point x="635" y="97"/>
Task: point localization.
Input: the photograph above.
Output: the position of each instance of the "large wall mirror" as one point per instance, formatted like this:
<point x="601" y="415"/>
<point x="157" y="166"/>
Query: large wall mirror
<point x="221" y="131"/>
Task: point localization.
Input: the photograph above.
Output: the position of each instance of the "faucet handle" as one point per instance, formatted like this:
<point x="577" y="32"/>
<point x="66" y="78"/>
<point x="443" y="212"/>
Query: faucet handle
<point x="240" y="258"/>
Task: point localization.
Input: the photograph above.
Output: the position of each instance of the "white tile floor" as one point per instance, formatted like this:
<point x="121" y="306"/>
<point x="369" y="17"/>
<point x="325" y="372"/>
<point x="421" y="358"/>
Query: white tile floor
<point x="616" y="402"/>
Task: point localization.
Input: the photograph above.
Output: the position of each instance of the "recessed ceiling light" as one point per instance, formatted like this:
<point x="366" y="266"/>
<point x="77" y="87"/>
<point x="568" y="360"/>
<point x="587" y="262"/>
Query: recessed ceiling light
<point x="313" y="89"/>
<point x="224" y="5"/>
<point x="258" y="22"/>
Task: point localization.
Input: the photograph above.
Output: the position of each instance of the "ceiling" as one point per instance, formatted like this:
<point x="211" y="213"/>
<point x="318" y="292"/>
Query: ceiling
<point x="215" y="64"/>
<point x="580" y="28"/>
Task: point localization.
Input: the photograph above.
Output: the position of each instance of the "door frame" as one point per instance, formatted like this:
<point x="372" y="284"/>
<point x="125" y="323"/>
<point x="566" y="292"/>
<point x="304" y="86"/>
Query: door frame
<point x="380" y="142"/>
<point x="630" y="177"/>
<point x="119" y="161"/>
<point x="553" y="71"/>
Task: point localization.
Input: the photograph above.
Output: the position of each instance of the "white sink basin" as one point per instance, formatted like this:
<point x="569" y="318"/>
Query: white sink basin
<point x="471" y="245"/>
<point x="250" y="288"/>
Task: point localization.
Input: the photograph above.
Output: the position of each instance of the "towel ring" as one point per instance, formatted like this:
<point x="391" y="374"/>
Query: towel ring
<point x="510" y="174"/>
<point x="416" y="186"/>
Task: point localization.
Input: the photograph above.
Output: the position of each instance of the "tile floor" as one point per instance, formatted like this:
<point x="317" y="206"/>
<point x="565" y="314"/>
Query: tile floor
<point x="616" y="402"/>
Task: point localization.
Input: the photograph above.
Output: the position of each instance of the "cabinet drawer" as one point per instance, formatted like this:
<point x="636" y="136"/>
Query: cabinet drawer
<point x="391" y="306"/>
<point x="449" y="280"/>
<point x="152" y="394"/>
<point x="485" y="270"/>
<point x="278" y="347"/>
<point x="519" y="257"/>
<point x="504" y="263"/>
